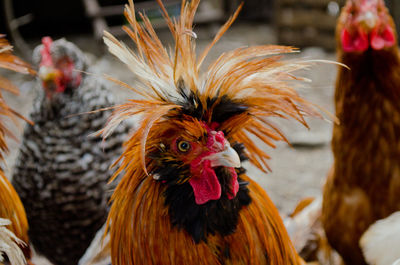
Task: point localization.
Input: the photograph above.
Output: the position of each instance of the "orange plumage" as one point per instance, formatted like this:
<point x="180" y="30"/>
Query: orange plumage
<point x="184" y="197"/>
<point x="11" y="207"/>
<point x="363" y="185"/>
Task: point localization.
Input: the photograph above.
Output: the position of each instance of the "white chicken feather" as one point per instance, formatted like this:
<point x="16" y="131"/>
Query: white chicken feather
<point x="381" y="242"/>
<point x="9" y="245"/>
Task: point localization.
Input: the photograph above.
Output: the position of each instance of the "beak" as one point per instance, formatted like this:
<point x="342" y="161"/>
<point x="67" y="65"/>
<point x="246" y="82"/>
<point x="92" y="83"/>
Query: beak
<point x="48" y="74"/>
<point x="226" y="158"/>
<point x="368" y="20"/>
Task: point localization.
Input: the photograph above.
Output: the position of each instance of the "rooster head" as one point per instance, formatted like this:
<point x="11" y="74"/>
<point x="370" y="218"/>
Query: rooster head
<point x="57" y="64"/>
<point x="366" y="24"/>
<point x="193" y="150"/>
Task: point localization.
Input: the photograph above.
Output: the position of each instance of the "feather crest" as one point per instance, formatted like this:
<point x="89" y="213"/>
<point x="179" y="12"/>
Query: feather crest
<point x="11" y="62"/>
<point x="257" y="77"/>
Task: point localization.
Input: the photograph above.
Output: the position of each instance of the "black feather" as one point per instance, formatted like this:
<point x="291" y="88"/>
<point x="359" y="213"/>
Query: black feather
<point x="221" y="111"/>
<point x="226" y="109"/>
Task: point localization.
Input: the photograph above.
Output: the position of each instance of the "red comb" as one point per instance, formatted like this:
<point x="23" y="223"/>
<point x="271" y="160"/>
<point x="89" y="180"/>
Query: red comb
<point x="45" y="52"/>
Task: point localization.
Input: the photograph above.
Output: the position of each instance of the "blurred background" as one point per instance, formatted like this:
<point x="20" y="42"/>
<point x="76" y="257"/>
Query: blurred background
<point x="296" y="22"/>
<point x="298" y="170"/>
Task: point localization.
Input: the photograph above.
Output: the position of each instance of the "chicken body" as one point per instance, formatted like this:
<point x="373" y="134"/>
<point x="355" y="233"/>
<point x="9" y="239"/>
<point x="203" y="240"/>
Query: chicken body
<point x="61" y="173"/>
<point x="164" y="223"/>
<point x="363" y="185"/>
<point x="256" y="237"/>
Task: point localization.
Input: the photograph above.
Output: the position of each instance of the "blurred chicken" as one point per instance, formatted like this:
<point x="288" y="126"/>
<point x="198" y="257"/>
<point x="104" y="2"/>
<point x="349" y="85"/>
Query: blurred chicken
<point x="98" y="253"/>
<point x="381" y="242"/>
<point x="185" y="197"/>
<point x="309" y="239"/>
<point x="13" y="222"/>
<point x="61" y="174"/>
<point x="364" y="183"/>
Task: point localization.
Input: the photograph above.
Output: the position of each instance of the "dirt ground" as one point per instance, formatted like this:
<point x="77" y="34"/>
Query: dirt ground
<point x="297" y="171"/>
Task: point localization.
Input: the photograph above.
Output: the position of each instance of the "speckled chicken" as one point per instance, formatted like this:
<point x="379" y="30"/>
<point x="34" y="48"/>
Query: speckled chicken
<point x="61" y="174"/>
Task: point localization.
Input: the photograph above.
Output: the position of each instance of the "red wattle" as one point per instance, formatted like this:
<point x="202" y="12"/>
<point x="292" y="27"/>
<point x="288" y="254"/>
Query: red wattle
<point x="347" y="44"/>
<point x="361" y="42"/>
<point x="206" y="187"/>
<point x="234" y="184"/>
<point x="358" y="43"/>
<point x="377" y="42"/>
<point x="60" y="86"/>
<point x="385" y="39"/>
<point x="388" y="35"/>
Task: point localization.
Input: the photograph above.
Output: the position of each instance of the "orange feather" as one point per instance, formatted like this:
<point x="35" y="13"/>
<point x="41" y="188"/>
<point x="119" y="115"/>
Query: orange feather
<point x="10" y="61"/>
<point x="11" y="207"/>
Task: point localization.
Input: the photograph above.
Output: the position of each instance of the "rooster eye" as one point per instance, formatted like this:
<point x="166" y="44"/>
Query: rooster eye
<point x="183" y="146"/>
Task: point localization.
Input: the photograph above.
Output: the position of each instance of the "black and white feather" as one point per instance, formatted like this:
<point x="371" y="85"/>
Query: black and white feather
<point x="62" y="172"/>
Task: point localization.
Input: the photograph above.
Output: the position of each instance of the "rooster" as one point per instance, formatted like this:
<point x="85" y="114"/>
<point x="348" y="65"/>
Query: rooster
<point x="364" y="183"/>
<point x="184" y="197"/>
<point x="13" y="221"/>
<point x="61" y="175"/>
